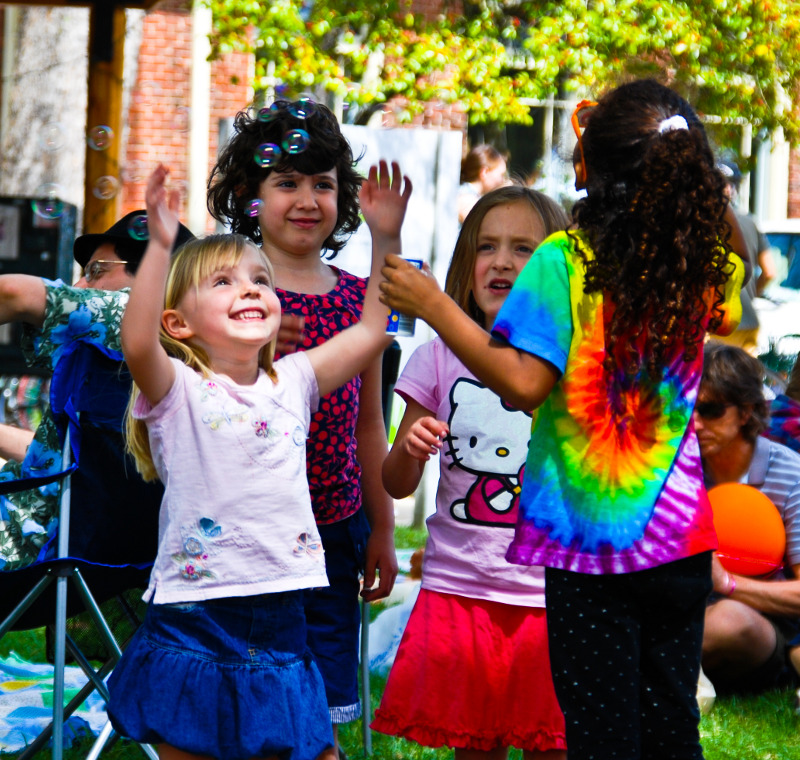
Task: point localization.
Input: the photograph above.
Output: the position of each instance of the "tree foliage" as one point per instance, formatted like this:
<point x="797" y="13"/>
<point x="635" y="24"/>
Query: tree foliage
<point x="730" y="58"/>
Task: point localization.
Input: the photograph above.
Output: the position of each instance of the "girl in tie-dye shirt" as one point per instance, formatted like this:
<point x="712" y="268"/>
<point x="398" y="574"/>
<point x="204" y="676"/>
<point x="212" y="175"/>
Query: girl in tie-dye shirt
<point x="603" y="333"/>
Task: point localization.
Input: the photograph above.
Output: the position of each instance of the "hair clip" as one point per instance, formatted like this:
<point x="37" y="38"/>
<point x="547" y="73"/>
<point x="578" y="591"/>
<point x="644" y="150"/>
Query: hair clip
<point x="672" y="123"/>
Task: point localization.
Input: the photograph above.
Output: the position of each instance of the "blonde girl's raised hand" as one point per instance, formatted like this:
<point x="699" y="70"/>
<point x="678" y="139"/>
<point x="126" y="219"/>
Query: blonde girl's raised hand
<point x="384" y="198"/>
<point x="162" y="209"/>
<point x="144" y="355"/>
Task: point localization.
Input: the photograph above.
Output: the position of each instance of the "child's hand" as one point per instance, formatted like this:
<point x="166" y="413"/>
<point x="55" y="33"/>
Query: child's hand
<point x="162" y="208"/>
<point x="407" y="289"/>
<point x="384" y="198"/>
<point x="424" y="438"/>
<point x="290" y="334"/>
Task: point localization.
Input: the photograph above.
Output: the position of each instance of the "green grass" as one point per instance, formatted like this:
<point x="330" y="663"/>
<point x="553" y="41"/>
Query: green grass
<point x="755" y="728"/>
<point x="406" y="537"/>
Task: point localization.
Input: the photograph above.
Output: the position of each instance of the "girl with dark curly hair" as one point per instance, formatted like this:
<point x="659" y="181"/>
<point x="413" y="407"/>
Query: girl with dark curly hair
<point x="603" y="332"/>
<point x="287" y="180"/>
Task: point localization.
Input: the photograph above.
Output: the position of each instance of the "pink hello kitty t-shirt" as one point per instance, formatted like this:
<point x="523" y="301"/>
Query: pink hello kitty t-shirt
<point x="480" y="472"/>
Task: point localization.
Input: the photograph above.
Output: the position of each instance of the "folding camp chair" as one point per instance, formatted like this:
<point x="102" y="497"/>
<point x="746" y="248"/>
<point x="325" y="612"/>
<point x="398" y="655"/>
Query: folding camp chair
<point x="107" y="530"/>
<point x="390" y="370"/>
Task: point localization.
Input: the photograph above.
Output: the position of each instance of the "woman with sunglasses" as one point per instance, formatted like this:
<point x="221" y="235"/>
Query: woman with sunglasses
<point x="603" y="333"/>
<point x="751" y="640"/>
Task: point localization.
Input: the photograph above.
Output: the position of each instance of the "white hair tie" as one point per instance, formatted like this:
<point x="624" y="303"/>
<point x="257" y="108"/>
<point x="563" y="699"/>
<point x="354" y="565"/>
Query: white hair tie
<point x="672" y="123"/>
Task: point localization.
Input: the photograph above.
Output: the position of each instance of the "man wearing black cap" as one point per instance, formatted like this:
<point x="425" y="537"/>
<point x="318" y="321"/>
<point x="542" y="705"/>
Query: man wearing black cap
<point x="54" y="314"/>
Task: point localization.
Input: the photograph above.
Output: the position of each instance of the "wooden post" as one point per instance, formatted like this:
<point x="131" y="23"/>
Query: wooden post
<point x="104" y="114"/>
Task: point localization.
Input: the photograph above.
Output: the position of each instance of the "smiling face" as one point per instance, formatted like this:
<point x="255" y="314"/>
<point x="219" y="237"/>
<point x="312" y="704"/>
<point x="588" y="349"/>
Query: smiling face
<point x="508" y="236"/>
<point x="231" y="314"/>
<point x="299" y="212"/>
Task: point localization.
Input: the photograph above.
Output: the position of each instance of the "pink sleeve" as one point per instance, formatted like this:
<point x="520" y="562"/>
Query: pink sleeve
<point x="419" y="378"/>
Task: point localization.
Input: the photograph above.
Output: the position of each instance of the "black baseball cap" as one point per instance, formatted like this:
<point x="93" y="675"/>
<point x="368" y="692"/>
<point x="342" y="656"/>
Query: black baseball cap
<point x="120" y="233"/>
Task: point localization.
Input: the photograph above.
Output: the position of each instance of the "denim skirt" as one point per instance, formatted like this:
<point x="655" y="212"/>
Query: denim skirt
<point x="229" y="678"/>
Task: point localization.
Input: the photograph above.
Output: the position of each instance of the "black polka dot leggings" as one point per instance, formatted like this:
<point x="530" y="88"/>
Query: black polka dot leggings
<point x="625" y="654"/>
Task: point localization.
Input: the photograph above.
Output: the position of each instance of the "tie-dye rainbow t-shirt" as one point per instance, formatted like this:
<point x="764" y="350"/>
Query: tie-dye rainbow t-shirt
<point x="603" y="493"/>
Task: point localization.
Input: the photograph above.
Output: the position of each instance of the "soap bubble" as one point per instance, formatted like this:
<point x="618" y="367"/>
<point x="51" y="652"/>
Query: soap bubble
<point x="106" y="187"/>
<point x="137" y="227"/>
<point x="253" y="208"/>
<point x="303" y="108"/>
<point x="268" y="113"/>
<point x="52" y="136"/>
<point x="181" y="119"/>
<point x="295" y="141"/>
<point x="48" y="204"/>
<point x="267" y="154"/>
<point x="133" y="171"/>
<point x="100" y="137"/>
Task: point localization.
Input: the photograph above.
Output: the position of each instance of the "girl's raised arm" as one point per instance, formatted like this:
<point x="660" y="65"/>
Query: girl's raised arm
<point x="144" y="355"/>
<point x="384" y="198"/>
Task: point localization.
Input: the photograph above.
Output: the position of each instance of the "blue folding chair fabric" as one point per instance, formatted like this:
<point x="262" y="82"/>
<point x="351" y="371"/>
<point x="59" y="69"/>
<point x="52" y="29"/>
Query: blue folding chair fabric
<point x="104" y="536"/>
<point x="114" y="512"/>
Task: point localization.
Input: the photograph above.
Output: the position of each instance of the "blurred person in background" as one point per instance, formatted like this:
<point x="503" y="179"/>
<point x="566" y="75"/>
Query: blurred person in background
<point x="484" y="168"/>
<point x="764" y="271"/>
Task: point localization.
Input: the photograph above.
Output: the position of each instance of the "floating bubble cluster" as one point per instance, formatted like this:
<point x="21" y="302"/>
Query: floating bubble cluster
<point x="137" y="227"/>
<point x="100" y="137"/>
<point x="295" y="140"/>
<point x="267" y="154"/>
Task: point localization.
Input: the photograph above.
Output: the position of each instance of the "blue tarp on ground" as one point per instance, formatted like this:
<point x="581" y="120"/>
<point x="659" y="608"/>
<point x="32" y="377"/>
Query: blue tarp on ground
<point x="26" y="703"/>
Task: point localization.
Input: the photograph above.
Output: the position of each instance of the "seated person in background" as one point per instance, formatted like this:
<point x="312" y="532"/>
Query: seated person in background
<point x="751" y="640"/>
<point x="55" y="314"/>
<point x="784" y="410"/>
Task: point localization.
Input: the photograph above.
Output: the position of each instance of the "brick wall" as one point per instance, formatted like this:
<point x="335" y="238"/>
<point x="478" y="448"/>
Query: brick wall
<point x="794" y="183"/>
<point x="160" y="101"/>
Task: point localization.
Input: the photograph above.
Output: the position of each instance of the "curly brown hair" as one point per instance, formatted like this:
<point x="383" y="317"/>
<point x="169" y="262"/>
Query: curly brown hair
<point x="654" y="216"/>
<point x="236" y="178"/>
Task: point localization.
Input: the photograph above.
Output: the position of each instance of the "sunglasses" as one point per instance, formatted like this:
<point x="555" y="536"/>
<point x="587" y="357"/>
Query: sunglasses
<point x="98" y="267"/>
<point x="711" y="410"/>
<point x="579" y="120"/>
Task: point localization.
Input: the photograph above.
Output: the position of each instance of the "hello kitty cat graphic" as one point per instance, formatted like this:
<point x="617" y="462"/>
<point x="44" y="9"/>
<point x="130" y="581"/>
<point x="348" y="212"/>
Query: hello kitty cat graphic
<point x="490" y="440"/>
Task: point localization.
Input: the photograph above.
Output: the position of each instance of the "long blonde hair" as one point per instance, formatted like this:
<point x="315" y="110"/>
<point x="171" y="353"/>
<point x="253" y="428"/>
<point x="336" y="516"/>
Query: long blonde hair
<point x="194" y="262"/>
